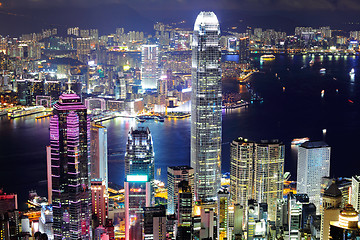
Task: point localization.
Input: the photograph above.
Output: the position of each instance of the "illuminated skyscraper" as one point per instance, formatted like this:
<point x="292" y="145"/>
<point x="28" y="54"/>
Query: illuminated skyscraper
<point x="149" y="66"/>
<point x="313" y="164"/>
<point x="70" y="166"/>
<point x="175" y="176"/>
<point x="98" y="153"/>
<point x="241" y="170"/>
<point x="257" y="172"/>
<point x="269" y="174"/>
<point x="139" y="172"/>
<point x="206" y="106"/>
<point x="139" y="156"/>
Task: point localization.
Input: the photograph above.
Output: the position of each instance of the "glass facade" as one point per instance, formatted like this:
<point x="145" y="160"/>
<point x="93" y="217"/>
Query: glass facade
<point x="149" y="66"/>
<point x="313" y="164"/>
<point x="206" y="107"/>
<point x="70" y="166"/>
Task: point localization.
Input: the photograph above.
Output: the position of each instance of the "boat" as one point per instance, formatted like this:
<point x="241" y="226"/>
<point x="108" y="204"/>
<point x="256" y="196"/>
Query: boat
<point x="159" y="119"/>
<point x="352" y="72"/>
<point x="322" y="93"/>
<point x="311" y="63"/>
<point x="322" y="70"/>
<point x="3" y="113"/>
<point x="267" y="57"/>
<point x="27" y="111"/>
<point x="141" y="120"/>
<point x="299" y="141"/>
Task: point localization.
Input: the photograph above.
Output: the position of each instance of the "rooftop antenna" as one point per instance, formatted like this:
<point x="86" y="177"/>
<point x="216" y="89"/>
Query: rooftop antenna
<point x="69" y="83"/>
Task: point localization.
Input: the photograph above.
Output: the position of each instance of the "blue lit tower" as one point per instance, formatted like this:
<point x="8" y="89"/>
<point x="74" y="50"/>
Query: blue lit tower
<point x="139" y="172"/>
<point x="139" y="156"/>
<point x="206" y="104"/>
<point x="70" y="168"/>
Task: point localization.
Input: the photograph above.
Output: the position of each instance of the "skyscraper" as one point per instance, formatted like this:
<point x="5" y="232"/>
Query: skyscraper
<point x="98" y="152"/>
<point x="269" y="174"/>
<point x="241" y="170"/>
<point x="139" y="156"/>
<point x="149" y="66"/>
<point x="206" y="106"/>
<point x="139" y="173"/>
<point x="313" y="164"/>
<point x="257" y="172"/>
<point x="355" y="192"/>
<point x="70" y="166"/>
<point x="175" y="176"/>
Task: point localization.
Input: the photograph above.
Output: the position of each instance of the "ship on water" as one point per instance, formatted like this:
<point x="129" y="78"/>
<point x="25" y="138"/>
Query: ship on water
<point x="27" y="111"/>
<point x="267" y="57"/>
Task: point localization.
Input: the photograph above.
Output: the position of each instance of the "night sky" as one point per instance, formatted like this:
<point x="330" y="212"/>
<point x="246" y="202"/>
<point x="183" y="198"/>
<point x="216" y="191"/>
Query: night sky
<point x="25" y="16"/>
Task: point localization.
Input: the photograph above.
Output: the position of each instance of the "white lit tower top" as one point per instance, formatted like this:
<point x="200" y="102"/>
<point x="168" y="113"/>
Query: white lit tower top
<point x="206" y="107"/>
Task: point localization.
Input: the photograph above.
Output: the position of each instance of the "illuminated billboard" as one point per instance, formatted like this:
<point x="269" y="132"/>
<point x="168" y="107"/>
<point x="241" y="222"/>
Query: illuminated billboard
<point x="136" y="178"/>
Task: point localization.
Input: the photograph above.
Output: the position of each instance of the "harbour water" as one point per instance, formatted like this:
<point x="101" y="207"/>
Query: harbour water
<point x="292" y="108"/>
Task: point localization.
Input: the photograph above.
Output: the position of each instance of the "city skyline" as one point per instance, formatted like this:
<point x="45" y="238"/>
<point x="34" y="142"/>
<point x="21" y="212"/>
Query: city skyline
<point x="149" y="130"/>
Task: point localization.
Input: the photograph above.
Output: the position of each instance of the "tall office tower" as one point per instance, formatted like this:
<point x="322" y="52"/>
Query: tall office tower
<point x="184" y="209"/>
<point x="83" y="49"/>
<point x="223" y="214"/>
<point x="149" y="66"/>
<point x="241" y="170"/>
<point x="175" y="176"/>
<point x="355" y="193"/>
<point x="98" y="153"/>
<point x="137" y="196"/>
<point x="331" y="199"/>
<point x="70" y="168"/>
<point x="139" y="156"/>
<point x="155" y="223"/>
<point x="206" y="104"/>
<point x="269" y="174"/>
<point x="52" y="89"/>
<point x="100" y="200"/>
<point x="23" y="91"/>
<point x="313" y="164"/>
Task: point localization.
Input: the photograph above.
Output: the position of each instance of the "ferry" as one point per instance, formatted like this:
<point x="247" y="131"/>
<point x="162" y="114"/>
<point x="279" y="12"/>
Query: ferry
<point x="26" y="111"/>
<point x="267" y="57"/>
<point x="299" y="141"/>
<point x="352" y="72"/>
<point x="159" y="119"/>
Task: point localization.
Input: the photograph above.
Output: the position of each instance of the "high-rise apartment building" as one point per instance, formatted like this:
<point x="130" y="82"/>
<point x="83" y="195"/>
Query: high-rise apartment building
<point x="175" y="176"/>
<point x="256" y="172"/>
<point x="69" y="141"/>
<point x="313" y="164"/>
<point x="206" y="107"/>
<point x="100" y="200"/>
<point x="98" y="153"/>
<point x="241" y="170"/>
<point x="149" y="66"/>
<point x="269" y="174"/>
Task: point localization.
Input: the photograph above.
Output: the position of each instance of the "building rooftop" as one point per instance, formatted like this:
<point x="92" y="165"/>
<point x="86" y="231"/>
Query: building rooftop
<point x="332" y="191"/>
<point x="180" y="167"/>
<point x="315" y="144"/>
